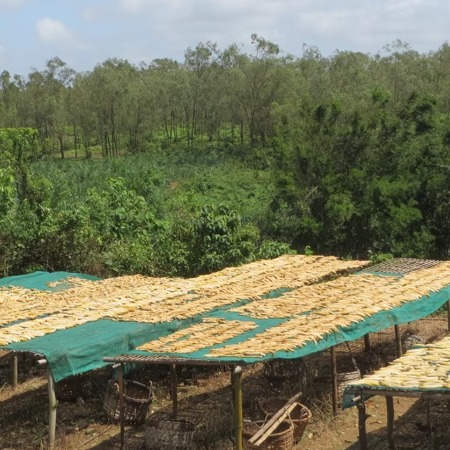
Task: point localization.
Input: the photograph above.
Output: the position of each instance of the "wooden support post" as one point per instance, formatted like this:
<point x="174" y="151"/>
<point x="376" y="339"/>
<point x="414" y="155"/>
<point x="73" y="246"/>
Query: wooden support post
<point x="362" y="424"/>
<point x="448" y="315"/>
<point x="174" y="390"/>
<point x="398" y="341"/>
<point x="239" y="415"/>
<point x="52" y="404"/>
<point x="390" y="421"/>
<point x="366" y="342"/>
<point x="233" y="397"/>
<point x="429" y="422"/>
<point x="14" y="371"/>
<point x="121" y="407"/>
<point x="334" y="387"/>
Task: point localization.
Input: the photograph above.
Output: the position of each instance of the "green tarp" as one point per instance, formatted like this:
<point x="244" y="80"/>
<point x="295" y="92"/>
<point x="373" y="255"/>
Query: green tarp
<point x="43" y="280"/>
<point x="82" y="348"/>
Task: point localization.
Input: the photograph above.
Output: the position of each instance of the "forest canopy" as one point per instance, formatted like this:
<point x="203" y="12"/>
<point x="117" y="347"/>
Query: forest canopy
<point x="181" y="168"/>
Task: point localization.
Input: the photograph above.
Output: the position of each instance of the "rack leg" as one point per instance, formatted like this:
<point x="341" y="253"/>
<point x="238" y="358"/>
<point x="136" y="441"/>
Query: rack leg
<point x="174" y="383"/>
<point x="52" y="404"/>
<point x="398" y="341"/>
<point x="362" y="425"/>
<point x="366" y="342"/>
<point x="334" y="387"/>
<point x="390" y="421"/>
<point x="237" y="377"/>
<point x="121" y="406"/>
<point x="14" y="371"/>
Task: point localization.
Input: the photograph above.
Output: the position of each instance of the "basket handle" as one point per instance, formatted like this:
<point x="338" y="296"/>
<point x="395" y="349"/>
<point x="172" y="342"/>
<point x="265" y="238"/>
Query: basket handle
<point x="355" y="366"/>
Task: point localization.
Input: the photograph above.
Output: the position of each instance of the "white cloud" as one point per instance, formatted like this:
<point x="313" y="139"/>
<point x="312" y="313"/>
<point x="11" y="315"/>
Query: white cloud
<point x="50" y="30"/>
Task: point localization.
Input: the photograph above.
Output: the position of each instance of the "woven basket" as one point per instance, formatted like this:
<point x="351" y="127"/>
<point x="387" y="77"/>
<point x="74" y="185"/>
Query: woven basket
<point x="300" y="415"/>
<point x="136" y="399"/>
<point x="168" y="434"/>
<point x="347" y="371"/>
<point x="343" y="379"/>
<point x="281" y="439"/>
<point x="74" y="387"/>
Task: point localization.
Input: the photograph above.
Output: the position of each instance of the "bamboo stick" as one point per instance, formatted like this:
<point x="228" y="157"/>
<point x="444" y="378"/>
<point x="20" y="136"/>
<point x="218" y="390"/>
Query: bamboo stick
<point x="238" y="406"/>
<point x="52" y="404"/>
<point x="264" y="432"/>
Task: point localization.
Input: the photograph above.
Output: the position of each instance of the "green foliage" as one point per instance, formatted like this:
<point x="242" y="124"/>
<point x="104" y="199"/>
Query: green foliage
<point x="220" y="240"/>
<point x="18" y="147"/>
<point x="347" y="155"/>
<point x="130" y="256"/>
<point x="118" y="212"/>
<point x="7" y="190"/>
<point x="309" y="251"/>
<point x="377" y="258"/>
<point x="272" y="249"/>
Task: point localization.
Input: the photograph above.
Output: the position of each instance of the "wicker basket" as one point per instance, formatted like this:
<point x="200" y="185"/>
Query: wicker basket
<point x="168" y="434"/>
<point x="347" y="371"/>
<point x="136" y="399"/>
<point x="343" y="379"/>
<point x="74" y="387"/>
<point x="281" y="439"/>
<point x="300" y="415"/>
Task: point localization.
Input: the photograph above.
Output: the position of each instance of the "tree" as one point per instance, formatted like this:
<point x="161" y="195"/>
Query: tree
<point x="19" y="146"/>
<point x="108" y="94"/>
<point x="257" y="84"/>
<point x="200" y="64"/>
<point x="220" y="240"/>
<point x="9" y="101"/>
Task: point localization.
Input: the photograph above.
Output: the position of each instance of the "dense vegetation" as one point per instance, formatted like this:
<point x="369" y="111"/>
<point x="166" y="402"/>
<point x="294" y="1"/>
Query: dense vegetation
<point x="183" y="168"/>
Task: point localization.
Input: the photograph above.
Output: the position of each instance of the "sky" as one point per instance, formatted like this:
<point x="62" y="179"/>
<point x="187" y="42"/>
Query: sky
<point x="84" y="33"/>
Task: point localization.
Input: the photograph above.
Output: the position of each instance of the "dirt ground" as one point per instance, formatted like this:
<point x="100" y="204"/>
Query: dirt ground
<point x="82" y="423"/>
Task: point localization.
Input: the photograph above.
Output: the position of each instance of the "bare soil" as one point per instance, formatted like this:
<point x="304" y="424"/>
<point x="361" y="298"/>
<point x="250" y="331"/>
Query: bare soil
<point x="82" y="423"/>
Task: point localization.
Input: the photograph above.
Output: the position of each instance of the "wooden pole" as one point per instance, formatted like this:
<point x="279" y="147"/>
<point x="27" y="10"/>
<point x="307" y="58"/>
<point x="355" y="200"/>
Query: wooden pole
<point x="121" y="406"/>
<point x="398" y="341"/>
<point x="390" y="421"/>
<point x="362" y="425"/>
<point x="174" y="390"/>
<point x="429" y="422"/>
<point x="448" y="315"/>
<point x="270" y="426"/>
<point x="239" y="415"/>
<point x="366" y="342"/>
<point x="14" y="371"/>
<point x="52" y="404"/>
<point x="233" y="399"/>
<point x="334" y="387"/>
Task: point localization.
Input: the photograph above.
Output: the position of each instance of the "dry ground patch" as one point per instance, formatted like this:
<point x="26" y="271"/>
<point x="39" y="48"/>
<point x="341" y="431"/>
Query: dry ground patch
<point x="83" y="425"/>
